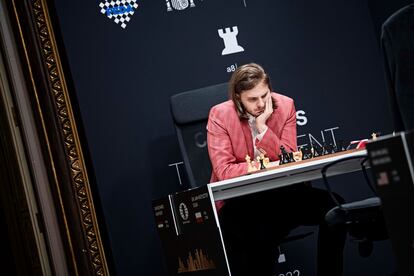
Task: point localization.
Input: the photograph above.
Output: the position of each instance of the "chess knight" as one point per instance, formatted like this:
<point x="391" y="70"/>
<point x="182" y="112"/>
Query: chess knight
<point x="179" y="4"/>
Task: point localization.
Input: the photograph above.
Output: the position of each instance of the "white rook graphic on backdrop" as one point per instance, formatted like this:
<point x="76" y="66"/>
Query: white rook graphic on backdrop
<point x="231" y="45"/>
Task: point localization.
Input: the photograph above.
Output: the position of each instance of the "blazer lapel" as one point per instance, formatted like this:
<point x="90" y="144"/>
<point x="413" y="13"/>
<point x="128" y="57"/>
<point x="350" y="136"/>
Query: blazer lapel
<point x="274" y="122"/>
<point x="248" y="137"/>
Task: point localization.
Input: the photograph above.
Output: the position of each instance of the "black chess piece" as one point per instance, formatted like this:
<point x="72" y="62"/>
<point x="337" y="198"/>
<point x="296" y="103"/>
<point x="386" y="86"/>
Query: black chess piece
<point x="315" y="151"/>
<point x="325" y="149"/>
<point x="284" y="159"/>
<point x="281" y="155"/>
<point x="332" y="148"/>
<point x="335" y="148"/>
<point x="290" y="157"/>
<point x="280" y="159"/>
<point x="306" y="153"/>
<point x="341" y="145"/>
<point x="262" y="166"/>
<point x="328" y="148"/>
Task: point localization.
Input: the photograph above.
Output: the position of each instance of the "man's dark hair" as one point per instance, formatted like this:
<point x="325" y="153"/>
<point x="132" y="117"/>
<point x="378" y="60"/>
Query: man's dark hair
<point x="246" y="77"/>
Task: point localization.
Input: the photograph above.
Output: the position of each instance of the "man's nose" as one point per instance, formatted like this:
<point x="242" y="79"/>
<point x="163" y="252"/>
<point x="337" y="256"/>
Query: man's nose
<point x="261" y="103"/>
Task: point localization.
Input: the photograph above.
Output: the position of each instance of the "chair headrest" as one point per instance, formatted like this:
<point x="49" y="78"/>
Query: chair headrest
<point x="194" y="105"/>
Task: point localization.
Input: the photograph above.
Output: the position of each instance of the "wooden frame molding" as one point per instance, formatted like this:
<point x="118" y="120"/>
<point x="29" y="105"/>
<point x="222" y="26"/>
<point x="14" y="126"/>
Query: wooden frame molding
<point x="56" y="120"/>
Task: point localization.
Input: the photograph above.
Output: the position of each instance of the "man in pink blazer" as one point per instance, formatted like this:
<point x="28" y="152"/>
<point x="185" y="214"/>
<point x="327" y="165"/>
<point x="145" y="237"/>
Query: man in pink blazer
<point x="256" y="120"/>
<point x="230" y="137"/>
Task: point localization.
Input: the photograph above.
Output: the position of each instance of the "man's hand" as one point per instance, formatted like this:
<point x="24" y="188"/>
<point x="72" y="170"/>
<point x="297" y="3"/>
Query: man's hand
<point x="262" y="118"/>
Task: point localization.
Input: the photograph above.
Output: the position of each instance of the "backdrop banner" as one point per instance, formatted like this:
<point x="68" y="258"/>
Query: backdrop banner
<point x="128" y="57"/>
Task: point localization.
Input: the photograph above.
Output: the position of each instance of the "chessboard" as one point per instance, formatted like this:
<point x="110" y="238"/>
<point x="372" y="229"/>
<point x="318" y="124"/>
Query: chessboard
<point x="277" y="165"/>
<point x="277" y="175"/>
<point x="313" y="152"/>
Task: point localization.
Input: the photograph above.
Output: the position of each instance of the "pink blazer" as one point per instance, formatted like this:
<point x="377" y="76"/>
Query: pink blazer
<point x="229" y="138"/>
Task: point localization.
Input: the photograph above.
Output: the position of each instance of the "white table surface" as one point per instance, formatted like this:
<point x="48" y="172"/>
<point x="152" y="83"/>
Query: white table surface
<point x="285" y="175"/>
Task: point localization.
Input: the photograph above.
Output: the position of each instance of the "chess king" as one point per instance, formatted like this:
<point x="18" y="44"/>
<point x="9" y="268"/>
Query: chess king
<point x="256" y="121"/>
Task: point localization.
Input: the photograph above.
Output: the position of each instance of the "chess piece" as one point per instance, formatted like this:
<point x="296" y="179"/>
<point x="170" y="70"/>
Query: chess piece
<point x="375" y="135"/>
<point x="290" y="157"/>
<point x="331" y="148"/>
<point x="328" y="148"/>
<point x="306" y="153"/>
<point x="250" y="165"/>
<point x="280" y="159"/>
<point x="335" y="148"/>
<point x="248" y="160"/>
<point x="340" y="146"/>
<point x="260" y="160"/>
<point x="266" y="161"/>
<point x="324" y="149"/>
<point x="297" y="155"/>
<point x="283" y="156"/>
<point x="315" y="152"/>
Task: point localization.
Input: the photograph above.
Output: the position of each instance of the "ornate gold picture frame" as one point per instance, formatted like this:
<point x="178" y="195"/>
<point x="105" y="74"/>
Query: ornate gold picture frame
<point x="52" y="98"/>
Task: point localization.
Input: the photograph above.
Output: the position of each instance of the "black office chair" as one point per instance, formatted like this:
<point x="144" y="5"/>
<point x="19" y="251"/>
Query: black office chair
<point x="363" y="219"/>
<point x="190" y="113"/>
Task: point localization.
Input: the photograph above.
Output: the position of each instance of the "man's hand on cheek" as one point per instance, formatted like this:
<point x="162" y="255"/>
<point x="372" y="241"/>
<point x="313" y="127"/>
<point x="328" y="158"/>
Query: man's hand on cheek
<point x="262" y="118"/>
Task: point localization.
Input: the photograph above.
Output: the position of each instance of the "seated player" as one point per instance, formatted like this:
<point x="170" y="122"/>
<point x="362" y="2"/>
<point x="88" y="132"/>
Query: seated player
<point x="258" y="121"/>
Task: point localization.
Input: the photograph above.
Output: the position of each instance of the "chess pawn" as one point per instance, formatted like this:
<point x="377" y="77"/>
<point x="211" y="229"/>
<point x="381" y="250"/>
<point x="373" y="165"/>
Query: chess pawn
<point x="260" y="162"/>
<point x="262" y="166"/>
<point x="315" y="152"/>
<point x="332" y="148"/>
<point x="305" y="153"/>
<point x="285" y="158"/>
<point x="248" y="159"/>
<point x="374" y="135"/>
<point x="297" y="155"/>
<point x="324" y="149"/>
<point x="266" y="161"/>
<point x="254" y="166"/>
<point x="281" y="159"/>
<point x="290" y="157"/>
<point x="281" y="155"/>
<point x="340" y="146"/>
<point x="249" y="164"/>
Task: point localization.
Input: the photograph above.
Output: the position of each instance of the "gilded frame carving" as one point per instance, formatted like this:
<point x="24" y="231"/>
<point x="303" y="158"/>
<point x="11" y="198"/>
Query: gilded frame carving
<point x="57" y="122"/>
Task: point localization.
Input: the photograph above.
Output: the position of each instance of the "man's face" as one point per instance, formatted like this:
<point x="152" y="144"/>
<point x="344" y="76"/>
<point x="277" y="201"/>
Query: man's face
<point x="254" y="100"/>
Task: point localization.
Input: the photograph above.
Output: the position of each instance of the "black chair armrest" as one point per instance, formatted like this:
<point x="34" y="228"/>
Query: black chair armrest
<point x="325" y="178"/>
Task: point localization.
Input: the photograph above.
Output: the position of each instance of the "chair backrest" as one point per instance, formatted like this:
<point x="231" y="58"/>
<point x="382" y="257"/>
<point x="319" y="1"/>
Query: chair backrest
<point x="363" y="219"/>
<point x="190" y="113"/>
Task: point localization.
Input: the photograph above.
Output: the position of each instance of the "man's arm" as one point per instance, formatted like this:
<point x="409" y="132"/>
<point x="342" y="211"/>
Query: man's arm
<point x="270" y="143"/>
<point x="223" y="160"/>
